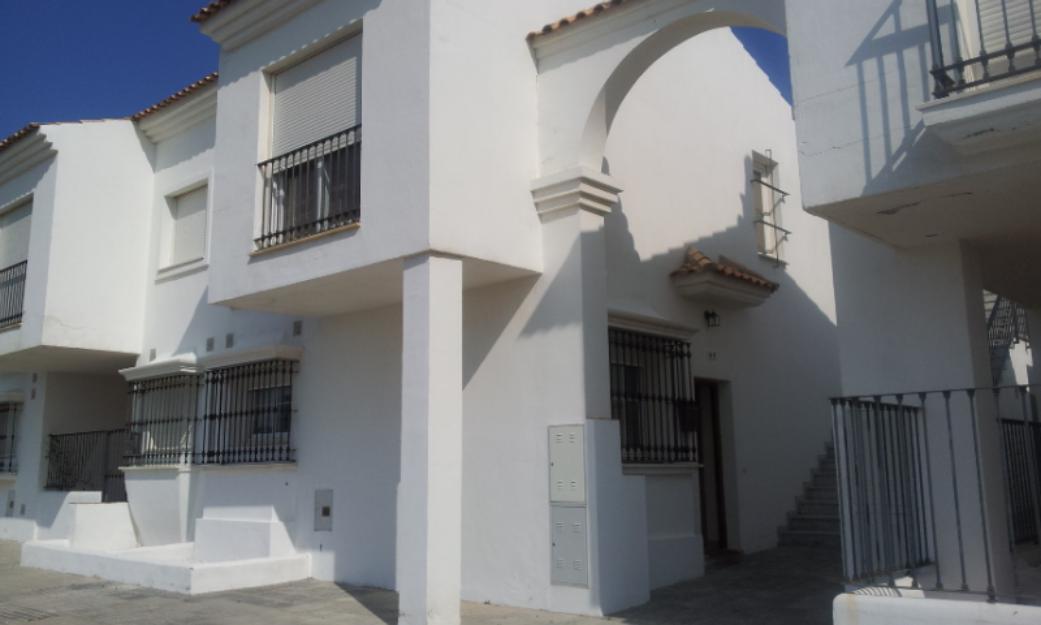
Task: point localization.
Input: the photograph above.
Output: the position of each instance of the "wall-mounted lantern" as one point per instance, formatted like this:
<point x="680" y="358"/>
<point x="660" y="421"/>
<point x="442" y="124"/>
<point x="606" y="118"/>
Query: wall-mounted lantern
<point x="711" y="319"/>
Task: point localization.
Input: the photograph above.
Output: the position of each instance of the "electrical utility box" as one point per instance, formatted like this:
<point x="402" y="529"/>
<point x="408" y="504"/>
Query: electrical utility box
<point x="567" y="464"/>
<point x="568" y="512"/>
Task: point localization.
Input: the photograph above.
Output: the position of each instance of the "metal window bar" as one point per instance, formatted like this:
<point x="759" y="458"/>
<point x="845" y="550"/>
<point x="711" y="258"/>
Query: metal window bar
<point x="12" y="294"/>
<point x="771" y="236"/>
<point x="162" y="420"/>
<point x="248" y="414"/>
<point x="8" y="437"/>
<point x="652" y="396"/>
<point x="914" y="470"/>
<point x="996" y="51"/>
<point x="311" y="190"/>
<point x="87" y="461"/>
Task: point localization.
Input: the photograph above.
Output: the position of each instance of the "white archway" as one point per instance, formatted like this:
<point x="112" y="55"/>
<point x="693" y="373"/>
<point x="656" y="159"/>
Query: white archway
<point x="586" y="69"/>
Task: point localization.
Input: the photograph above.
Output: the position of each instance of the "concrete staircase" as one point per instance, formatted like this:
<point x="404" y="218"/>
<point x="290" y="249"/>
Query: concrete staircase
<point x="815" y="521"/>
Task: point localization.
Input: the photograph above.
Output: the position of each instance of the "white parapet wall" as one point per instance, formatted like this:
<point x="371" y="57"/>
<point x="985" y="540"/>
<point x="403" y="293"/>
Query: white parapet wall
<point x="850" y="609"/>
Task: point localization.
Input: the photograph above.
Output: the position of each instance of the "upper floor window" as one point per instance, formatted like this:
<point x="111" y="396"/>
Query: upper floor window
<point x="975" y="42"/>
<point x="15" y="224"/>
<point x="184" y="236"/>
<point x="768" y="202"/>
<point x="312" y="185"/>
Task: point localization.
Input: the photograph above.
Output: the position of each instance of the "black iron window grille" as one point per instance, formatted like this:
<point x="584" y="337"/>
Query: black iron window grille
<point x="247" y="414"/>
<point x="8" y="448"/>
<point x="88" y="461"/>
<point x="311" y="190"/>
<point x="162" y="419"/>
<point x="12" y="294"/>
<point x="652" y="397"/>
<point x="976" y="42"/>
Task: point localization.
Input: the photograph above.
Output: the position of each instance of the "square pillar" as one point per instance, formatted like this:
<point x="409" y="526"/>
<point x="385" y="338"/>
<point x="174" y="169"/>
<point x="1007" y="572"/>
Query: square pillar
<point x="429" y="534"/>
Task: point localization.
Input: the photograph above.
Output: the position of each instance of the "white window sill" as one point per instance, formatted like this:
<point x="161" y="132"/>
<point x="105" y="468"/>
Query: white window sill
<point x="773" y="260"/>
<point x="181" y="269"/>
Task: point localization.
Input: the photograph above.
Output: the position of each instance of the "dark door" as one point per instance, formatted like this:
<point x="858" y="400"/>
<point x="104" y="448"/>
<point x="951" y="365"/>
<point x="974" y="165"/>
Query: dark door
<point x="713" y="509"/>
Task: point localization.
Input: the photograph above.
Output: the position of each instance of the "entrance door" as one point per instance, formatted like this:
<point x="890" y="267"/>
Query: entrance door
<point x="713" y="509"/>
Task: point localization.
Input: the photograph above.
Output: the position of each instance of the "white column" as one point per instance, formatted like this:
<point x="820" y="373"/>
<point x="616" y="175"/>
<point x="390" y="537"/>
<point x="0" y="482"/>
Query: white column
<point x="429" y="537"/>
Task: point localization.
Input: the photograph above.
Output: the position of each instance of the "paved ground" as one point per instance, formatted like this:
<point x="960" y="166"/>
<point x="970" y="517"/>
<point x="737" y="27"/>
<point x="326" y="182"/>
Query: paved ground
<point x="787" y="586"/>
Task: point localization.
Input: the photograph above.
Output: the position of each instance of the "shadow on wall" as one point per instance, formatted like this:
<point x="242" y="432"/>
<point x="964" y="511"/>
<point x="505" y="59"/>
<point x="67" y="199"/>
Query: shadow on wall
<point x="892" y="118"/>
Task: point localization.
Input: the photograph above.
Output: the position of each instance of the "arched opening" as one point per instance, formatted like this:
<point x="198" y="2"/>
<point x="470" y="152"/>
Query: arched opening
<point x="646" y="53"/>
<point x="646" y="98"/>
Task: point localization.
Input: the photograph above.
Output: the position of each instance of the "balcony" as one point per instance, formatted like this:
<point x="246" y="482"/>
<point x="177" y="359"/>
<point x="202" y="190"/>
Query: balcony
<point x="312" y="191"/>
<point x="12" y="294"/>
<point x="986" y="65"/>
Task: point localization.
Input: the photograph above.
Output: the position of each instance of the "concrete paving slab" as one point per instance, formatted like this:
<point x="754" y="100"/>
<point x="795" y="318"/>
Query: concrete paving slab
<point x="786" y="586"/>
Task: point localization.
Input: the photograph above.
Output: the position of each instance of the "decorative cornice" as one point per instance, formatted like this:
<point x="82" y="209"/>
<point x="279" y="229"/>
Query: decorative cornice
<point x="237" y="23"/>
<point x="30" y="150"/>
<point x="238" y="357"/>
<point x="180" y="116"/>
<point x="576" y="189"/>
<point x="12" y="397"/>
<point x="184" y="364"/>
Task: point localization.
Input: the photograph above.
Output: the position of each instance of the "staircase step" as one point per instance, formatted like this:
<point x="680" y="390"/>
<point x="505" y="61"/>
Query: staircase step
<point x="807" y="522"/>
<point x="811" y="508"/>
<point x="810" y="538"/>
<point x="813" y="493"/>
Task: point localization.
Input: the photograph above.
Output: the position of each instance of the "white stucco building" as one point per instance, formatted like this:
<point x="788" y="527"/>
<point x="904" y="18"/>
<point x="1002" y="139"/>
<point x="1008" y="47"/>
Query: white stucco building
<point x="917" y="126"/>
<point x="556" y="329"/>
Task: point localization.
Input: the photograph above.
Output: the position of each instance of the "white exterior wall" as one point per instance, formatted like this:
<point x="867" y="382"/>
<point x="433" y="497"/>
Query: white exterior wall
<point x="395" y="176"/>
<point x="97" y="206"/>
<point x="681" y="148"/>
<point x="450" y="150"/>
<point x="859" y="79"/>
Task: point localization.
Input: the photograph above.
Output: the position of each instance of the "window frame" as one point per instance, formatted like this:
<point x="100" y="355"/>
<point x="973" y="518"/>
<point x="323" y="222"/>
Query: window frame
<point x="771" y="236"/>
<point x="166" y="268"/>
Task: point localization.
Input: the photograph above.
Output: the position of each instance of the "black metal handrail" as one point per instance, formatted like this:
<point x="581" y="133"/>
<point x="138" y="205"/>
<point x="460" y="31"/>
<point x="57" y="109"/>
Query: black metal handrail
<point x="311" y="190"/>
<point x="913" y="482"/>
<point x="88" y="461"/>
<point x="12" y="294"/>
<point x="1007" y="42"/>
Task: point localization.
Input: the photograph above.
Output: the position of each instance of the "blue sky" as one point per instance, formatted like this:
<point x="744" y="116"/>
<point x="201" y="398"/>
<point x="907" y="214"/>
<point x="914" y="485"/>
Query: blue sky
<point x="111" y="58"/>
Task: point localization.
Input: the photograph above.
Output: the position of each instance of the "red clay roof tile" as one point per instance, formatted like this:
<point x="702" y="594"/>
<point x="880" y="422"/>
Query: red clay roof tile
<point x="564" y="22"/>
<point x="15" y="136"/>
<point x="210" y="10"/>
<point x="697" y="262"/>
<point x="175" y="97"/>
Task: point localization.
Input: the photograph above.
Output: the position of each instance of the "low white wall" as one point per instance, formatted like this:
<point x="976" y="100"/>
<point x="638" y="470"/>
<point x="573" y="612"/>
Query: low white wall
<point x="849" y="609"/>
<point x="159" y="503"/>
<point x="675" y="546"/>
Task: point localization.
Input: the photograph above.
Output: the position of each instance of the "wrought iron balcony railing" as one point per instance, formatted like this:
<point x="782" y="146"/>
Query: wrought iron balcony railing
<point x="12" y="294"/>
<point x="88" y="461"/>
<point x="940" y="490"/>
<point x="976" y="42"/>
<point x="312" y="190"/>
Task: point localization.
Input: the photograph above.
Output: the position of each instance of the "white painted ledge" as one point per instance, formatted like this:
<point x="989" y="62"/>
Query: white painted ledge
<point x="849" y="609"/>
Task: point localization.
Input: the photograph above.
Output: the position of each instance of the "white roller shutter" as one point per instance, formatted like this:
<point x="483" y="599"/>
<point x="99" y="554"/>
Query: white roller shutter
<point x="992" y="20"/>
<point x="189" y="227"/>
<point x="317" y="97"/>
<point x="14" y="235"/>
